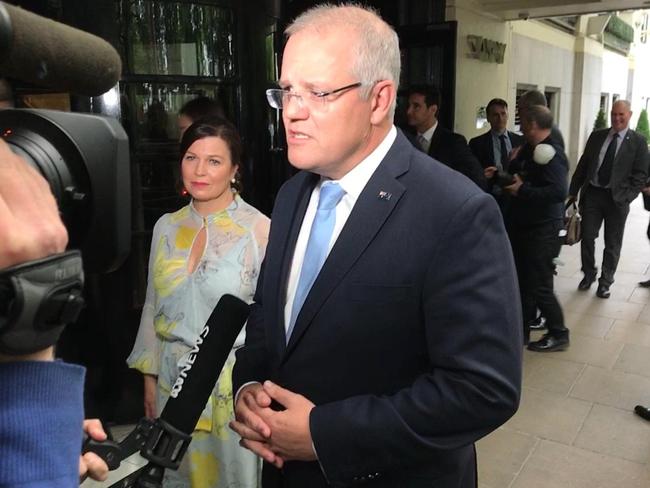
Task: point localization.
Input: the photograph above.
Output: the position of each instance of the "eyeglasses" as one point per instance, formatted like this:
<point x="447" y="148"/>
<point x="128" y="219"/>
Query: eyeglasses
<point x="279" y="98"/>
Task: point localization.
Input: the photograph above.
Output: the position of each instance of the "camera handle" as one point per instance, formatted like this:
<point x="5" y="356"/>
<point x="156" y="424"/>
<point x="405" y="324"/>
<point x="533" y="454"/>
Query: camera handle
<point x="37" y="300"/>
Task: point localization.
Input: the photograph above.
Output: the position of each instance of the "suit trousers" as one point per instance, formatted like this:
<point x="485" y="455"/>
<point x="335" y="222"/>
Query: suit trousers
<point x="597" y="205"/>
<point x="534" y="250"/>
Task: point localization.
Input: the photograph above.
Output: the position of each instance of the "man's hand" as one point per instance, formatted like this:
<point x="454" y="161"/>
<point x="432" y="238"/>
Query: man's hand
<point x="489" y="172"/>
<point x="30" y="226"/>
<point x="252" y="401"/>
<point x="646" y="190"/>
<point x="290" y="434"/>
<point x="150" y="387"/>
<point x="90" y="464"/>
<point x="514" y="188"/>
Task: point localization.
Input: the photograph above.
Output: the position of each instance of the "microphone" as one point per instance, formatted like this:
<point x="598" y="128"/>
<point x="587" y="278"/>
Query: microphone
<point x="50" y="54"/>
<point x="170" y="435"/>
<point x="190" y="393"/>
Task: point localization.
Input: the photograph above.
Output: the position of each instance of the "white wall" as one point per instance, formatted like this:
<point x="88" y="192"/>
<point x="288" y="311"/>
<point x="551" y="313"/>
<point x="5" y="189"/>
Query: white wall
<point x="614" y="74"/>
<point x="477" y="82"/>
<point x="641" y="83"/>
<point x="544" y="57"/>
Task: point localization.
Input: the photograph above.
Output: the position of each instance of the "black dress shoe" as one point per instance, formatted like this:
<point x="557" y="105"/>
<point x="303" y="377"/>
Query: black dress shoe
<point x="586" y="282"/>
<point x="643" y="412"/>
<point x="644" y="284"/>
<point x="603" y="291"/>
<point x="549" y="343"/>
<point x="538" y="324"/>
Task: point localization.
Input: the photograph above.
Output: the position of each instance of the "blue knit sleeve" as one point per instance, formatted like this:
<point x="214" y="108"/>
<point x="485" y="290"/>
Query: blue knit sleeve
<point x="41" y="416"/>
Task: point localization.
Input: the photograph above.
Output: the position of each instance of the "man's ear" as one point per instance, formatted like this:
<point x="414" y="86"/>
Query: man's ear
<point x="383" y="94"/>
<point x="434" y="109"/>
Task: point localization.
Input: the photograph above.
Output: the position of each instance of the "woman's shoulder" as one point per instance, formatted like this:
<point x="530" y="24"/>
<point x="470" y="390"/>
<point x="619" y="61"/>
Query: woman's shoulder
<point x="249" y="213"/>
<point x="172" y="218"/>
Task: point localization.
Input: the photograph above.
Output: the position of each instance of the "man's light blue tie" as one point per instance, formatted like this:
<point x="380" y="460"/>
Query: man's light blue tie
<point x="317" y="245"/>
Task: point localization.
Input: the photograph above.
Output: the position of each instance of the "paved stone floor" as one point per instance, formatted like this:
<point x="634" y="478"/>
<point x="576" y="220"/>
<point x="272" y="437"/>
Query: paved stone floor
<point x="575" y="427"/>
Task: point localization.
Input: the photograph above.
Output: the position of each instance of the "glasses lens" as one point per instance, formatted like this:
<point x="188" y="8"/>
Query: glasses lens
<point x="274" y="97"/>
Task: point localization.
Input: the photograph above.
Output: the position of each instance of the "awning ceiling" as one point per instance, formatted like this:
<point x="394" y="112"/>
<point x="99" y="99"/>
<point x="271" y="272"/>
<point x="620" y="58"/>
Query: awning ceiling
<point x="523" y="9"/>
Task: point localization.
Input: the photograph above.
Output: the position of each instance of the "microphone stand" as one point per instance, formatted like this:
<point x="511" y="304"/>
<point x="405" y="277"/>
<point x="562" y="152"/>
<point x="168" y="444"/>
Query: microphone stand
<point x="158" y="441"/>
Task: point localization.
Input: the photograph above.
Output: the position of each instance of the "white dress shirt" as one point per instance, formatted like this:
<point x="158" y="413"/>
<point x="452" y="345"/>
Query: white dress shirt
<point x="353" y="183"/>
<point x="428" y="135"/>
<point x="603" y="150"/>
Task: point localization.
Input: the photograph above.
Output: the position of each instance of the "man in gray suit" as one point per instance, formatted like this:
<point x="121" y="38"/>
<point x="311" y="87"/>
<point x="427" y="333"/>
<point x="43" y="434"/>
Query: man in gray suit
<point x="609" y="175"/>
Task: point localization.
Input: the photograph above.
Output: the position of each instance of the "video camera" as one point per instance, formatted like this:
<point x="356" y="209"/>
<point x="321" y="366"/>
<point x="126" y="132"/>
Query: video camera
<point x="503" y="178"/>
<point x="84" y="158"/>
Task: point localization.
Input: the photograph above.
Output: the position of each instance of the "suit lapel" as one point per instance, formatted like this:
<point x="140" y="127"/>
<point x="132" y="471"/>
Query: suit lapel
<point x="375" y="204"/>
<point x="598" y="144"/>
<point x="297" y="205"/>
<point x="624" y="156"/>
<point x="490" y="148"/>
<point x="625" y="149"/>
<point x="435" y="142"/>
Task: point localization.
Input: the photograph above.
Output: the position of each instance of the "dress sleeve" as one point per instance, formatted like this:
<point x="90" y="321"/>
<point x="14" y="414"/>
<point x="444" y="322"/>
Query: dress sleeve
<point x="254" y="257"/>
<point x="145" y="356"/>
<point x="261" y="236"/>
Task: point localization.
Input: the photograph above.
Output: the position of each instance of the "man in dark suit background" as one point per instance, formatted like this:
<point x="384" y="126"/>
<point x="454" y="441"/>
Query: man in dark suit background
<point x="438" y="142"/>
<point x="493" y="148"/>
<point x="391" y="359"/>
<point x="609" y="175"/>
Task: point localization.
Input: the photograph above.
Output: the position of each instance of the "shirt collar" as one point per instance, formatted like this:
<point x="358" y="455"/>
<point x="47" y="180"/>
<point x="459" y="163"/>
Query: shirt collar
<point x="428" y="134"/>
<point x="621" y="133"/>
<point x="496" y="134"/>
<point x="356" y="179"/>
<point x="198" y="218"/>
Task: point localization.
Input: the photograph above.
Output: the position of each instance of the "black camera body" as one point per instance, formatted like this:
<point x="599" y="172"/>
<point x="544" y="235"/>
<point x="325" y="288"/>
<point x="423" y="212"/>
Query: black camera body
<point x="85" y="159"/>
<point x="503" y="178"/>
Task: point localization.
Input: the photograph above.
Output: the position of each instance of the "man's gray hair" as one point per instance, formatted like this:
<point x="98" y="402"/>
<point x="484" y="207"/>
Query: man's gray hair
<point x="542" y="116"/>
<point x="628" y="105"/>
<point x="376" y="55"/>
<point x="532" y="98"/>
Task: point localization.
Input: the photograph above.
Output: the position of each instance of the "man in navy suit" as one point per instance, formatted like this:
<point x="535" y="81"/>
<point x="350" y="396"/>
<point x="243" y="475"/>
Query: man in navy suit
<point x="609" y="175"/>
<point x="439" y="142"/>
<point x="493" y="148"/>
<point x="406" y="347"/>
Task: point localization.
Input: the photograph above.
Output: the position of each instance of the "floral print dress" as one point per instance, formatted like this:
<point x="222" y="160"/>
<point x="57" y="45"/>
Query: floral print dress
<point x="178" y="304"/>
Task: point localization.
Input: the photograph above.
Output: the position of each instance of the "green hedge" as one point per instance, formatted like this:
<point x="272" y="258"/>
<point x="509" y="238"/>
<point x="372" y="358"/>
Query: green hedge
<point x="642" y="125"/>
<point x="601" y="121"/>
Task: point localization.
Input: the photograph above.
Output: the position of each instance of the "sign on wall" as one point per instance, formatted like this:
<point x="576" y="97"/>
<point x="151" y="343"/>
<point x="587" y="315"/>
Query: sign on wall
<point x="486" y="49"/>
